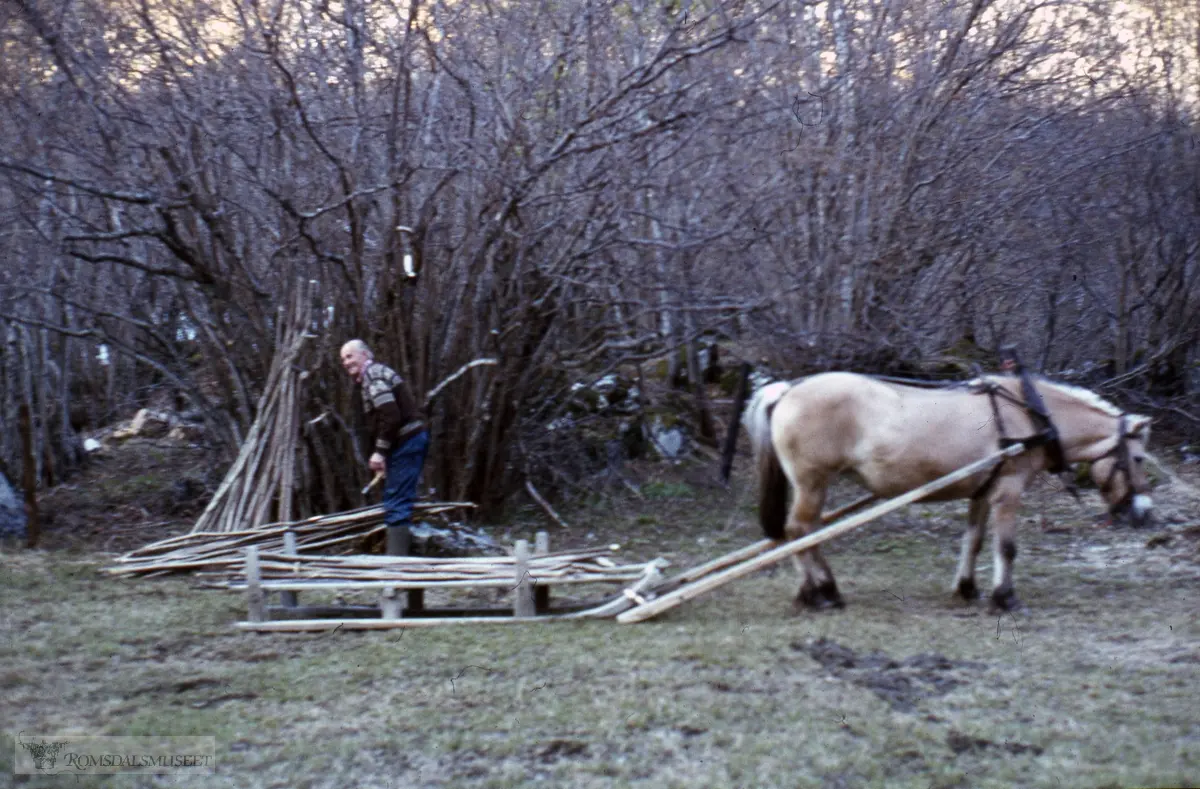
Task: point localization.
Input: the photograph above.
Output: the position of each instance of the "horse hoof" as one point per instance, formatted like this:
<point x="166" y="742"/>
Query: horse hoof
<point x="819" y="604"/>
<point x="819" y="598"/>
<point x="1004" y="601"/>
<point x="967" y="590"/>
<point x="808" y="597"/>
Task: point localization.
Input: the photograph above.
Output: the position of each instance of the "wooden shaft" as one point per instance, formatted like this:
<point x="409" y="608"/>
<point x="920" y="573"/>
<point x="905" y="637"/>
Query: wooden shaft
<point x="693" y="590"/>
<point x="371" y="485"/>
<point x="750" y="551"/>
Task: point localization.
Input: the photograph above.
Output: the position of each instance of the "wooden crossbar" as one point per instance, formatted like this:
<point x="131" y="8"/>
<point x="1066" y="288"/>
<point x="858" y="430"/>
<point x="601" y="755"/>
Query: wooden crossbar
<point x="712" y="581"/>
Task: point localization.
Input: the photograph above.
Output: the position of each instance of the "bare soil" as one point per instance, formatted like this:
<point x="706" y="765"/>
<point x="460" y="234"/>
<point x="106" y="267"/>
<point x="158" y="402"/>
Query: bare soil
<point x="1091" y="684"/>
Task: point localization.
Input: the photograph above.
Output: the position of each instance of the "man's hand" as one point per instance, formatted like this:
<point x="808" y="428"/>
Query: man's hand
<point x="378" y="463"/>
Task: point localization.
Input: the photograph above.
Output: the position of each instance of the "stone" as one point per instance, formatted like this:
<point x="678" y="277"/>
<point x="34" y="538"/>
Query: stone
<point x="669" y="441"/>
<point x="12" y="511"/>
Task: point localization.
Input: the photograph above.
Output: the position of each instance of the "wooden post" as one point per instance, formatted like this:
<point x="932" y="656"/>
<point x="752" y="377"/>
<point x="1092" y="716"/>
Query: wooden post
<point x="33" y="530"/>
<point x="389" y="603"/>
<point x="523" y="605"/>
<point x="541" y="592"/>
<point x="288" y="598"/>
<point x="731" y="434"/>
<point x="255" y="598"/>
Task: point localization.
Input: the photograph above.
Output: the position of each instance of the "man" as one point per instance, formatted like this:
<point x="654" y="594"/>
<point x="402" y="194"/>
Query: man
<point x="400" y="440"/>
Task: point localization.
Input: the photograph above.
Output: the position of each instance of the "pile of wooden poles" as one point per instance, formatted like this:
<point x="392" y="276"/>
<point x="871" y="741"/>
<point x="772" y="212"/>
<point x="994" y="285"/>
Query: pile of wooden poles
<point x="223" y="552"/>
<point x="582" y="566"/>
<point x="264" y="473"/>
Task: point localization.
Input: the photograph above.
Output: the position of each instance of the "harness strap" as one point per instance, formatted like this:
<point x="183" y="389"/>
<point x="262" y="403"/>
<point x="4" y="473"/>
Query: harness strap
<point x="991" y="392"/>
<point x="1055" y="457"/>
<point x="1121" y="450"/>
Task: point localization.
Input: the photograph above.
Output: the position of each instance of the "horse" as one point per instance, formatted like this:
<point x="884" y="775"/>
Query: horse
<point x="894" y="438"/>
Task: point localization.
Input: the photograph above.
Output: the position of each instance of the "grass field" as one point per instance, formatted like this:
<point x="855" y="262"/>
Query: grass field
<point x="1092" y="684"/>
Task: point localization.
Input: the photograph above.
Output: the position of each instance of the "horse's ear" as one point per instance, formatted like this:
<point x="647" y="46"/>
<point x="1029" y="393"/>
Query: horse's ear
<point x="1140" y="426"/>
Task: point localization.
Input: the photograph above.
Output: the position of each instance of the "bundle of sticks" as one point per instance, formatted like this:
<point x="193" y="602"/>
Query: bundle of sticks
<point x="223" y="552"/>
<point x="264" y="473"/>
<point x="581" y="566"/>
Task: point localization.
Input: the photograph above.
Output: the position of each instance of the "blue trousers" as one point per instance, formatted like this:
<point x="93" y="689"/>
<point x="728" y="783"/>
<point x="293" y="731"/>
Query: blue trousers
<point x="404" y="464"/>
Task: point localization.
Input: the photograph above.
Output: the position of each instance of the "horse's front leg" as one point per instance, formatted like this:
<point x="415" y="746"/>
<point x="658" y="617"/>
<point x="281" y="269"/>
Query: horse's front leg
<point x="1004" y="545"/>
<point x="972" y="541"/>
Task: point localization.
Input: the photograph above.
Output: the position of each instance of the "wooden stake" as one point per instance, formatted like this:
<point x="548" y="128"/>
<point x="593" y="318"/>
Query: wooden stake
<point x="389" y="603"/>
<point x="523" y="604"/>
<point x="289" y="599"/>
<point x="255" y="599"/>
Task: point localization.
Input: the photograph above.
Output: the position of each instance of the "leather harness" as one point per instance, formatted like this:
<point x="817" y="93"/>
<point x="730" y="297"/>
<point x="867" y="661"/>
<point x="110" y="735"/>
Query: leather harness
<point x="1045" y="437"/>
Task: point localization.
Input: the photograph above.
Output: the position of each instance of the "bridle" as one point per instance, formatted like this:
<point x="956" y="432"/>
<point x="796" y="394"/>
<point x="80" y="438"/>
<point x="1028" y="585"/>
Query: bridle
<point x="1047" y="437"/>
<point x="1122" y="464"/>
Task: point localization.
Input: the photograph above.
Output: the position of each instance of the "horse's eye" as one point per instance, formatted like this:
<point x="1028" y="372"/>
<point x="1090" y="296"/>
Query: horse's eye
<point x="1138" y="460"/>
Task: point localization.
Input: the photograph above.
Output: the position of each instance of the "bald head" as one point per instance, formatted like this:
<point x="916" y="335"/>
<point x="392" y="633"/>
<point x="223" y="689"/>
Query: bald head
<point x="355" y="355"/>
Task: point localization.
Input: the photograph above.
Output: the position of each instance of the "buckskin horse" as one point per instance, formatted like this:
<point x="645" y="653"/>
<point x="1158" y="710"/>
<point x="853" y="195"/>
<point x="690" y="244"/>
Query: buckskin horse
<point x="894" y="438"/>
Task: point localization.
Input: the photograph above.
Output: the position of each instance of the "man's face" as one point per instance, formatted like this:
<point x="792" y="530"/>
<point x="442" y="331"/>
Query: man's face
<point x="354" y="360"/>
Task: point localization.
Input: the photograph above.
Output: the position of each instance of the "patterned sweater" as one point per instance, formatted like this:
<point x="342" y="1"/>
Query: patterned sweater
<point x="389" y="405"/>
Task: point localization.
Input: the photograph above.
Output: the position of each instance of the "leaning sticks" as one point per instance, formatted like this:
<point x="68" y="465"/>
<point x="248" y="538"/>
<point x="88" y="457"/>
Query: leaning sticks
<point x="264" y="472"/>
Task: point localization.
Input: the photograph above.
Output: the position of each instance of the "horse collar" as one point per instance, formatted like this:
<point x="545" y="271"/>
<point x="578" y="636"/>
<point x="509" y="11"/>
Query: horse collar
<point x="1035" y="407"/>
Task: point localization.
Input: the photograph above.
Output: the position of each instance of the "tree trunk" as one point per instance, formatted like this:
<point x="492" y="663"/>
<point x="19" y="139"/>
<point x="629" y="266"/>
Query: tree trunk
<point x="33" y="529"/>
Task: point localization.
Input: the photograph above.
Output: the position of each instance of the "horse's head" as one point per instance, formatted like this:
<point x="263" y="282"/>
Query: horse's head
<point x="1120" y="473"/>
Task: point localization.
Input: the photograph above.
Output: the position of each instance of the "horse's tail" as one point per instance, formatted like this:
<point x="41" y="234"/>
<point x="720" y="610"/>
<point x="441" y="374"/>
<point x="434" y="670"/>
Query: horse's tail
<point x="772" y="482"/>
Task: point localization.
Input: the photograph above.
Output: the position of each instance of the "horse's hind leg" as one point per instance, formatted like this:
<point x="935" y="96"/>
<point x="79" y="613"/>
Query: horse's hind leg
<point x="818" y="589"/>
<point x="972" y="541"/>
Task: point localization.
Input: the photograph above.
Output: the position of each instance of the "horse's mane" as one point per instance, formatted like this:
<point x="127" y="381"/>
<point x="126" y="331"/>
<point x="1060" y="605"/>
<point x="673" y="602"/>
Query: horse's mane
<point x="1087" y="396"/>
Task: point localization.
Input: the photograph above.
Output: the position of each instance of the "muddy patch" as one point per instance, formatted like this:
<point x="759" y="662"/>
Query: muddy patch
<point x="964" y="743"/>
<point x="901" y="683"/>
<point x="560" y="748"/>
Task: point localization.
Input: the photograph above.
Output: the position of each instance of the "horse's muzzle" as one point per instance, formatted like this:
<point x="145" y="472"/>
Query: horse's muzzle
<point x="1138" y="507"/>
<point x="1141" y="509"/>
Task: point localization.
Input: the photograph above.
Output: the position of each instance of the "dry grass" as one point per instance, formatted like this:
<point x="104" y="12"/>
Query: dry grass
<point x="1092" y="685"/>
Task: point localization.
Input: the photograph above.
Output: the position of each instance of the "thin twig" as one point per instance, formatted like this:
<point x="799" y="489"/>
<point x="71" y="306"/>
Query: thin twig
<point x="545" y="505"/>
<point x="455" y="376"/>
